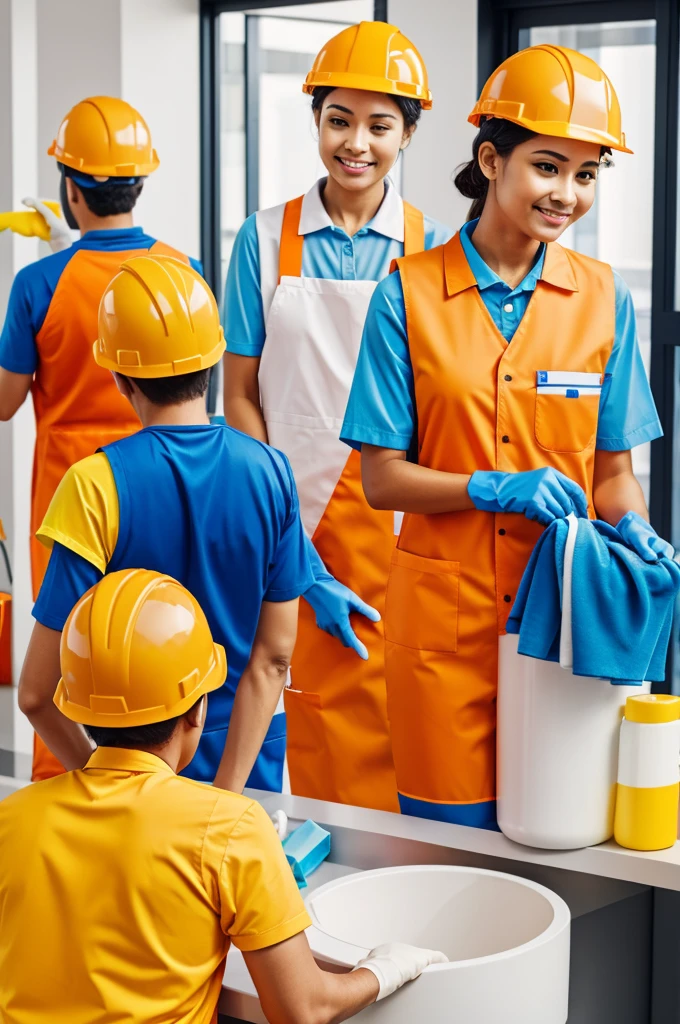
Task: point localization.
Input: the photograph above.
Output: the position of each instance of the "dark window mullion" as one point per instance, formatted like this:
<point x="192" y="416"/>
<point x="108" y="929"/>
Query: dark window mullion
<point x="252" y="118"/>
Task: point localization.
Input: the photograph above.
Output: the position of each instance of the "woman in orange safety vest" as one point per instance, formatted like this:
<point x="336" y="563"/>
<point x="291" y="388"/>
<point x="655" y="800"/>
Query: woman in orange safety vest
<point x="506" y="374"/>
<point x="300" y="279"/>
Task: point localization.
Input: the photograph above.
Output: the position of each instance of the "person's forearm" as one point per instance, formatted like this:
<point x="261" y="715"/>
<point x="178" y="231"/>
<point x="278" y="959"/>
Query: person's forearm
<point x="349" y="993"/>
<point x="66" y="740"/>
<point x="257" y="695"/>
<point x="37" y="685"/>
<point x="245" y="415"/>
<point x="616" y="495"/>
<point x="326" y="998"/>
<point x="406" y="487"/>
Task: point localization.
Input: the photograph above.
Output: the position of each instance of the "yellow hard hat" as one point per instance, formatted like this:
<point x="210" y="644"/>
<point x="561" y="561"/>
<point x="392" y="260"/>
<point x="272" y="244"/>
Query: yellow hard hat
<point x="374" y="56"/>
<point x="554" y="91"/>
<point x="136" y="649"/>
<point x="105" y="137"/>
<point x="158" y="318"/>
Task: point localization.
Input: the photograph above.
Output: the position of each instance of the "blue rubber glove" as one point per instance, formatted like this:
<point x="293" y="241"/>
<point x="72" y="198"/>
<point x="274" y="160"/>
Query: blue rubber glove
<point x="637" y="534"/>
<point x="332" y="603"/>
<point x="539" y="494"/>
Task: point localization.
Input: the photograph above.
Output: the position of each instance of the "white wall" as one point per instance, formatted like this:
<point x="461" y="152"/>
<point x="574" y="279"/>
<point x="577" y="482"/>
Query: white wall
<point x="445" y="32"/>
<point x="18" y="177"/>
<point x="160" y="69"/>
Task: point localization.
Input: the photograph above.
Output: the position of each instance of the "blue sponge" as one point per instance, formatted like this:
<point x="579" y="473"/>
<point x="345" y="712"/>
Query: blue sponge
<point x="306" y="848"/>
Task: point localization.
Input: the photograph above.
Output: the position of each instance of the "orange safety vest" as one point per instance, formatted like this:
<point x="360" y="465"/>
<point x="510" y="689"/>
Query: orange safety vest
<point x="338" y="743"/>
<point x="454" y="576"/>
<point x="78" y="407"/>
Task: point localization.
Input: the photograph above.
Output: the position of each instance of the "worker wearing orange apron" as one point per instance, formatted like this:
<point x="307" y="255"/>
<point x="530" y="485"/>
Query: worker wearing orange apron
<point x="104" y="152"/>
<point x="512" y="364"/>
<point x="300" y="280"/>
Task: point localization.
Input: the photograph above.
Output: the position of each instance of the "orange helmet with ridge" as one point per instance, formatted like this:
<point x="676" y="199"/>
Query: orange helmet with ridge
<point x="552" y="90"/>
<point x="373" y="56"/>
<point x="136" y="650"/>
<point x="104" y="136"/>
<point x="158" y="318"/>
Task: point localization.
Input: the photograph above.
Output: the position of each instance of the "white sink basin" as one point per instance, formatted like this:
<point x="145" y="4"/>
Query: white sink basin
<point x="507" y="940"/>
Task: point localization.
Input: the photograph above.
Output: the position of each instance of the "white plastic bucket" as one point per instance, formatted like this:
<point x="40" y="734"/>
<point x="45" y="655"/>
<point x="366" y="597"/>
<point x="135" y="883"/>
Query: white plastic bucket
<point x="507" y="940"/>
<point x="558" y="738"/>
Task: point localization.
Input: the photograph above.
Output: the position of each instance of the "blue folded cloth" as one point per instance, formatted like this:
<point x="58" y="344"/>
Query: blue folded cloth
<point x="622" y="607"/>
<point x="305" y="848"/>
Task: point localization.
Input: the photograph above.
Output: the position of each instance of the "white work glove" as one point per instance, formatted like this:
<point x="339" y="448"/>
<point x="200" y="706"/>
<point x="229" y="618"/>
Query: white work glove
<point x="279" y="820"/>
<point x="60" y="233"/>
<point x="395" y="963"/>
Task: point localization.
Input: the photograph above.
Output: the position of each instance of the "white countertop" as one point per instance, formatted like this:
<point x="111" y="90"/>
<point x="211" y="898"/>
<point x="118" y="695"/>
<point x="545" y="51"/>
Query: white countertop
<point x="609" y="860"/>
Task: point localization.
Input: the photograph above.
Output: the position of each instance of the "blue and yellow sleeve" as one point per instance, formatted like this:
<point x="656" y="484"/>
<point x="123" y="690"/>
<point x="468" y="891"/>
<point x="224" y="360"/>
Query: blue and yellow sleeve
<point x="67" y="578"/>
<point x="83" y="515"/>
<point x="243" y="313"/>
<point x="81" y="528"/>
<point x="627" y="415"/>
<point x="381" y="406"/>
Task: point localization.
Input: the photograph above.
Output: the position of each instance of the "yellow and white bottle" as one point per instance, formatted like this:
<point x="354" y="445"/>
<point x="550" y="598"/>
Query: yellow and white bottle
<point x="649" y="778"/>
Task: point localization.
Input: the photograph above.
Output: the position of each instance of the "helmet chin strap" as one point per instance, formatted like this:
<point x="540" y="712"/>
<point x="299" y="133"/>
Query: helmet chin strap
<point x="63" y="199"/>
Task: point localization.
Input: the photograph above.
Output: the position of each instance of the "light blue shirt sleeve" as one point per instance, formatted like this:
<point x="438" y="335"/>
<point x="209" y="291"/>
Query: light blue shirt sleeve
<point x="628" y="416"/>
<point x="436" y="233"/>
<point x="243" y="313"/>
<point x="381" y="408"/>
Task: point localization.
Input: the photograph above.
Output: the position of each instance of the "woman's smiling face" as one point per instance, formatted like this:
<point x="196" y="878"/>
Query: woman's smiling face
<point x="544" y="185"/>
<point x="360" y="136"/>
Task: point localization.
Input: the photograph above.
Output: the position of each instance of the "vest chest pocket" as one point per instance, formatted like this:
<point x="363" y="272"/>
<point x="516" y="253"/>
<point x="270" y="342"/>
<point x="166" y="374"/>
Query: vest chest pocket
<point x="566" y="418"/>
<point x="421" y="609"/>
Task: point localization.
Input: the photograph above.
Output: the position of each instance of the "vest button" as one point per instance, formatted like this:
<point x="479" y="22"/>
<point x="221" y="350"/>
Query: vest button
<point x="507" y="599"/>
<point x="507" y="377"/>
<point x="505" y="439"/>
<point x="502" y="532"/>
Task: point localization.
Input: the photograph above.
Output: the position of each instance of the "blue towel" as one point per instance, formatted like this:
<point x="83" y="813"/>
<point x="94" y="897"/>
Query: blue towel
<point x="622" y="607"/>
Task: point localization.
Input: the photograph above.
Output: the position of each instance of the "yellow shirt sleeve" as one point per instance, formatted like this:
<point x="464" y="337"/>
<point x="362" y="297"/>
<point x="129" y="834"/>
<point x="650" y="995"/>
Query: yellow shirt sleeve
<point x="259" y="899"/>
<point x="83" y="514"/>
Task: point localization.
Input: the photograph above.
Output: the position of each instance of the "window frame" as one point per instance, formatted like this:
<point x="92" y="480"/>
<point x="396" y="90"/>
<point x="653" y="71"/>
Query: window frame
<point x="210" y="119"/>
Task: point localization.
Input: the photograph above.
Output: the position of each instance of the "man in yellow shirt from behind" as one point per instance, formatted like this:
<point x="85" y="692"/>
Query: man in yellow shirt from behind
<point x="122" y="884"/>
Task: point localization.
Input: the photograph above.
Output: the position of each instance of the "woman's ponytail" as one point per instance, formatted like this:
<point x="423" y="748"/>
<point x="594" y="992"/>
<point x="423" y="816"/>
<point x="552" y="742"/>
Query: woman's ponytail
<point x="469" y="179"/>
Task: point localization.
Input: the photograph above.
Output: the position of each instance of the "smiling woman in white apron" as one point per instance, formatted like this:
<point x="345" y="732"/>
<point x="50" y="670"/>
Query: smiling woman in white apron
<point x="300" y="280"/>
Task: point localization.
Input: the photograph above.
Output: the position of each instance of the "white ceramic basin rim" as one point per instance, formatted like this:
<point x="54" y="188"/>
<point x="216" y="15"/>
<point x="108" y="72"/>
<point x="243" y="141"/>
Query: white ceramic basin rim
<point x="472" y="915"/>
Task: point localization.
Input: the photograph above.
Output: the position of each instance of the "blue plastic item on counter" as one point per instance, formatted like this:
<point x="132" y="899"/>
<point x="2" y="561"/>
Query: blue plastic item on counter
<point x="305" y="849"/>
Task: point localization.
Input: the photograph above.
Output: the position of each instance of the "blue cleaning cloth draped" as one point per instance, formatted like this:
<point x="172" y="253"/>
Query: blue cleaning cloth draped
<point x="622" y="607"/>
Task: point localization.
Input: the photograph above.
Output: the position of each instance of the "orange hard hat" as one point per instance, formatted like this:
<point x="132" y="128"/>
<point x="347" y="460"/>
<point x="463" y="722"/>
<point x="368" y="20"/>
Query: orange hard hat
<point x="136" y="649"/>
<point x="105" y="137"/>
<point x="158" y="318"/>
<point x="552" y="90"/>
<point x="374" y="56"/>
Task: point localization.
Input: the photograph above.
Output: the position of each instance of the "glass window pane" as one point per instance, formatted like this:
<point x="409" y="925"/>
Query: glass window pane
<point x="618" y="230"/>
<point x="232" y="130"/>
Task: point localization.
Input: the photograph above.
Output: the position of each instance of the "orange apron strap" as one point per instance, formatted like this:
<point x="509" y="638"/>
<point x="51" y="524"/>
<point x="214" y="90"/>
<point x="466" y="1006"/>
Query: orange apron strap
<point x="161" y="249"/>
<point x="414" y="230"/>
<point x="290" y="248"/>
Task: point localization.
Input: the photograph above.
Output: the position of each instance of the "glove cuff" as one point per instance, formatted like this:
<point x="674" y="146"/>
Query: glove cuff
<point x="483" y="489"/>
<point x="388" y="980"/>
